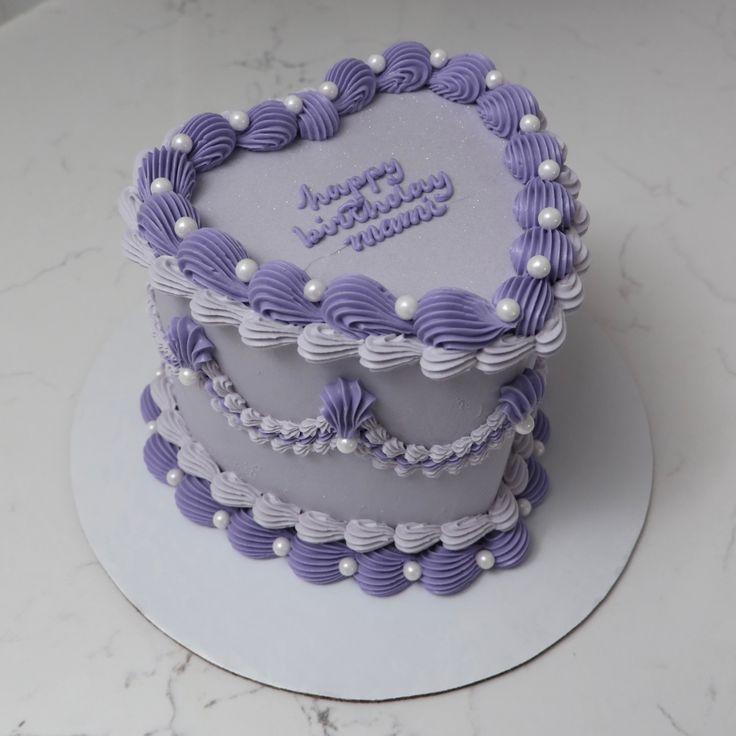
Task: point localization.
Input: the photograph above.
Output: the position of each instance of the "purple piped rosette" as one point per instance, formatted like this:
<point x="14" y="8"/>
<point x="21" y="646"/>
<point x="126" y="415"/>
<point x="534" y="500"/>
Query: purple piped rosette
<point x="383" y="571"/>
<point x="546" y="208"/>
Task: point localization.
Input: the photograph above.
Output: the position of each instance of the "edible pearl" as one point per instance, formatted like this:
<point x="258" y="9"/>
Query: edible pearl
<point x="438" y="58"/>
<point x="329" y="90"/>
<point x="246" y="269"/>
<point x="185" y="225"/>
<point x="293" y="103"/>
<point x="174" y="477"/>
<point x="550" y="218"/>
<point x="314" y="290"/>
<point x="549" y="169"/>
<point x="412" y="570"/>
<point x="530" y="124"/>
<point x="376" y="62"/>
<point x="161" y="185"/>
<point x="182" y="142"/>
<point x="485" y="559"/>
<point x="494" y="79"/>
<point x="159" y="373"/>
<point x="220" y="519"/>
<point x="348" y="567"/>
<point x="539" y="448"/>
<point x="406" y="307"/>
<point x="538" y="267"/>
<point x="151" y="426"/>
<point x="508" y="310"/>
<point x="525" y="506"/>
<point x="346" y="445"/>
<point x="281" y="546"/>
<point x="238" y="120"/>
<point x="187" y="377"/>
<point x="525" y="425"/>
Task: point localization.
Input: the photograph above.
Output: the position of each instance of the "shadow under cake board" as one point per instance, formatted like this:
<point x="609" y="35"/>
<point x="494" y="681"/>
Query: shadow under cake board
<point x="183" y="577"/>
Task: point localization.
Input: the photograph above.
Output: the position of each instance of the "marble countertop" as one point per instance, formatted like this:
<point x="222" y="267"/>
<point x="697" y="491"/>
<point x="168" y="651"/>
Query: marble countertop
<point x="642" y="91"/>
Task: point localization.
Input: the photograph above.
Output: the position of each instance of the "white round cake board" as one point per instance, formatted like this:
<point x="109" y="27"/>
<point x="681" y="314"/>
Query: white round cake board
<point x="257" y="619"/>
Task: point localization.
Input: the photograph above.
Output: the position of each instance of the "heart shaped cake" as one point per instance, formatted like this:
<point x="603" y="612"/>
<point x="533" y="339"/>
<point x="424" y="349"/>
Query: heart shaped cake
<point x="353" y="290"/>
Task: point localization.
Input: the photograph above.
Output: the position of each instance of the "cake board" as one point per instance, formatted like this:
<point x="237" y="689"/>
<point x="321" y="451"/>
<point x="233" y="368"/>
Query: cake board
<point x="256" y="619"/>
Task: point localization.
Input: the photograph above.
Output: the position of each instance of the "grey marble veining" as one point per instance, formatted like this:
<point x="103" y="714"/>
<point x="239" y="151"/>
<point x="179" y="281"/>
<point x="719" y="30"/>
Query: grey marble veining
<point x="643" y="93"/>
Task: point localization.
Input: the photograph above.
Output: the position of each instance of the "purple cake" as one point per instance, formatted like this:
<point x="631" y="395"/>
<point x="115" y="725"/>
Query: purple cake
<point x="353" y="290"/>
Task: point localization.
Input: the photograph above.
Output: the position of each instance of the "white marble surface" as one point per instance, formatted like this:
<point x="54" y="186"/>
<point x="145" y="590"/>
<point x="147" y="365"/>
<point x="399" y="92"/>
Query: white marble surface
<point x="644" y="93"/>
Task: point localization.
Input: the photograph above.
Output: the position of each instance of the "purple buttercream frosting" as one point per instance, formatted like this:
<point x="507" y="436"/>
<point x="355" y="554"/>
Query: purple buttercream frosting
<point x="168" y="164"/>
<point x="525" y="151"/>
<point x="359" y="306"/>
<point x="542" y="429"/>
<point x="462" y="79"/>
<point x="502" y="108"/>
<point x="509" y="548"/>
<point x="156" y="219"/>
<point x="271" y="127"/>
<point x="538" y="194"/>
<point x="319" y="119"/>
<point x="208" y="257"/>
<point x="519" y="397"/>
<point x="535" y="297"/>
<point x="356" y="85"/>
<point x="159" y="456"/>
<point x="250" y="538"/>
<point x="318" y="563"/>
<point x="553" y="244"/>
<point x="538" y="485"/>
<point x="446" y="572"/>
<point x="194" y="500"/>
<point x="381" y="572"/>
<point x="190" y="346"/>
<point x="407" y="67"/>
<point x="213" y="139"/>
<point x="149" y="408"/>
<point x="277" y="291"/>
<point x="347" y="406"/>
<point x="456" y="319"/>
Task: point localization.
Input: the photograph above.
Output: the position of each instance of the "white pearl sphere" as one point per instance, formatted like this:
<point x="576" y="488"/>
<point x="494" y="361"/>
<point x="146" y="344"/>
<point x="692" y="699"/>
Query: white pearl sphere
<point x="161" y="185"/>
<point x="412" y="570"/>
<point x="151" y="427"/>
<point x="174" y="477"/>
<point x="539" y="448"/>
<point x="329" y="89"/>
<point x="529" y="124"/>
<point x="220" y="519"/>
<point x="238" y="120"/>
<point x="346" y="445"/>
<point x="508" y="310"/>
<point x="185" y="225"/>
<point x="438" y="58"/>
<point x="245" y="269"/>
<point x="376" y="62"/>
<point x="485" y="559"/>
<point x="406" y="307"/>
<point x="348" y="566"/>
<point x="281" y="546"/>
<point x="182" y="142"/>
<point x="525" y="425"/>
<point x="494" y="79"/>
<point x="538" y="267"/>
<point x="187" y="377"/>
<point x="314" y="290"/>
<point x="550" y="218"/>
<point x="525" y="506"/>
<point x="159" y="373"/>
<point x="549" y="169"/>
<point x="293" y="103"/>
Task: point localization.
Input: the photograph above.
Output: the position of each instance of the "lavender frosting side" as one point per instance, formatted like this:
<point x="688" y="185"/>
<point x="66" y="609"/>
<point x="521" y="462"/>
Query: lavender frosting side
<point x="541" y="427"/>
<point x="165" y="163"/>
<point x="251" y="539"/>
<point x="347" y="406"/>
<point x="149" y="408"/>
<point x="194" y="500"/>
<point x="509" y="548"/>
<point x="553" y="244"/>
<point x="526" y="151"/>
<point x="213" y="138"/>
<point x="445" y="572"/>
<point x="319" y="118"/>
<point x="538" y="484"/>
<point x="159" y="456"/>
<point x="157" y="217"/>
<point x="535" y="299"/>
<point x="356" y="85"/>
<point x="317" y="563"/>
<point x="538" y="194"/>
<point x="190" y="347"/>
<point x="502" y="108"/>
<point x="519" y="397"/>
<point x="277" y="291"/>
<point x="381" y="572"/>
<point x="271" y="127"/>
<point x="407" y="68"/>
<point x="462" y="79"/>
